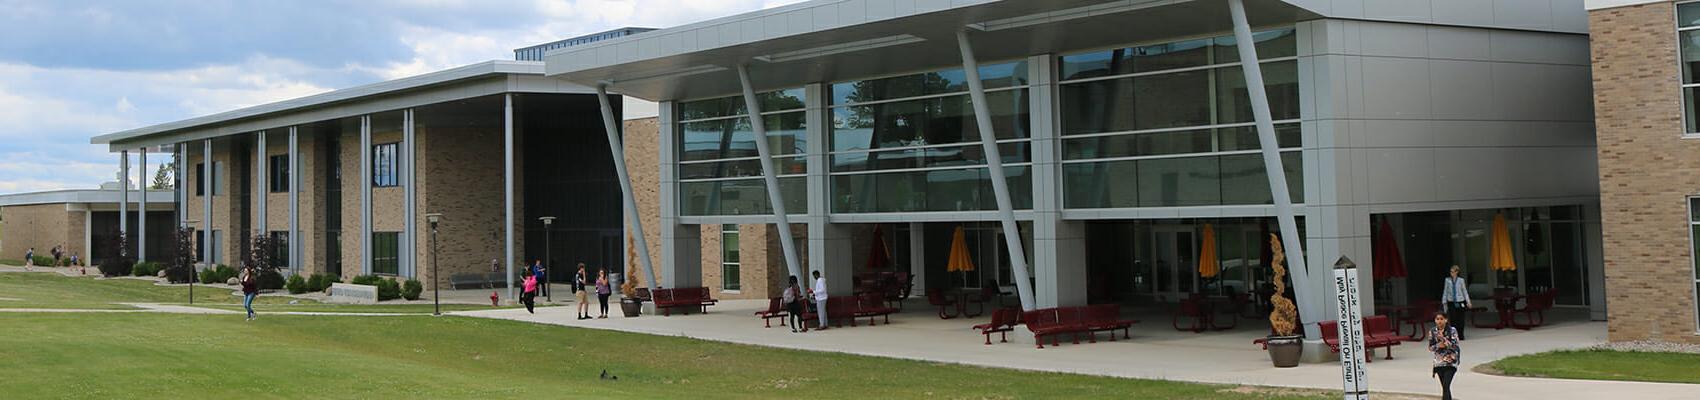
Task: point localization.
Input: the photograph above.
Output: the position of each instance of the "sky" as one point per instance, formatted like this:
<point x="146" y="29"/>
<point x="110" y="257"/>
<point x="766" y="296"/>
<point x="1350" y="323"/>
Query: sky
<point x="71" y="70"/>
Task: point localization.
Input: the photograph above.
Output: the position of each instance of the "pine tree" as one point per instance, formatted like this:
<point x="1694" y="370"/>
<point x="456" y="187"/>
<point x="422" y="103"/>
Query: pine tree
<point x="162" y="180"/>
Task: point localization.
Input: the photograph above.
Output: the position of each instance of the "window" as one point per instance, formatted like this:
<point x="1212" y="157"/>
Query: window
<point x="280" y="248"/>
<point x="385" y="253"/>
<point x="384" y="168"/>
<point x="277" y="172"/>
<point x="200" y="179"/>
<point x="1694" y="252"/>
<point x="729" y="279"/>
<point x="200" y="243"/>
<point x="1688" y="40"/>
<point x="719" y="168"/>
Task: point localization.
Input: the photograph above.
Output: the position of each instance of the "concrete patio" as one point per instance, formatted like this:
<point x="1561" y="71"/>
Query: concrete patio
<point x="1156" y="351"/>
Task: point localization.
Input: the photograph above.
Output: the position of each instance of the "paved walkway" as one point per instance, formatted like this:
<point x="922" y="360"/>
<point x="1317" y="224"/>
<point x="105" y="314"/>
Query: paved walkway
<point x="1155" y="352"/>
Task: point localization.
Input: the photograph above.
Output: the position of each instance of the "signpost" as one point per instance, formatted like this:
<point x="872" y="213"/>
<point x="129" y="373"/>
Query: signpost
<point x="1351" y="330"/>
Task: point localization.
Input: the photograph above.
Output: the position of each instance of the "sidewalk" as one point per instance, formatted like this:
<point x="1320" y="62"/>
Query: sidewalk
<point x="1156" y="351"/>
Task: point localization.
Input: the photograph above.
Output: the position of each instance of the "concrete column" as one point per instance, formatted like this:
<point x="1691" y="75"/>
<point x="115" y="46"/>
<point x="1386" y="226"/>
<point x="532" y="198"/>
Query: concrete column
<point x="1059" y="246"/>
<point x="262" y="184"/>
<point x="123" y="194"/>
<point x="142" y="220"/>
<point x="409" y="235"/>
<point x="295" y="261"/>
<point x="830" y="252"/>
<point x="994" y="165"/>
<point x="365" y="179"/>
<point x="681" y="245"/>
<point x="918" y="255"/>
<point x="508" y="190"/>
<point x="829" y="244"/>
<point x="211" y="183"/>
<point x="611" y="124"/>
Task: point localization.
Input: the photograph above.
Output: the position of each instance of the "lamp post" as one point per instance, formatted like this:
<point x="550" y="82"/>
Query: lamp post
<point x="548" y="256"/>
<point x="193" y="275"/>
<point x="436" y="282"/>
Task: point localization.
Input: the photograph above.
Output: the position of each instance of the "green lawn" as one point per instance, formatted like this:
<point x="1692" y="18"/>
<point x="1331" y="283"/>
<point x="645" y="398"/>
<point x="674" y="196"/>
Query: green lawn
<point x="218" y="356"/>
<point x="1605" y="365"/>
<point x="357" y="308"/>
<point x="51" y="290"/>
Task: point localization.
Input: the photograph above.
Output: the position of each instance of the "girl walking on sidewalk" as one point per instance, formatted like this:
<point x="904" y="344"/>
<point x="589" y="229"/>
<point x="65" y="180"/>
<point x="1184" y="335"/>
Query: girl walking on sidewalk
<point x="1443" y="342"/>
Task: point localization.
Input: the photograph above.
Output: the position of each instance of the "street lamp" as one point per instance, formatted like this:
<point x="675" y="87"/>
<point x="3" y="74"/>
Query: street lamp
<point x="548" y="256"/>
<point x="436" y="281"/>
<point x="193" y="275"/>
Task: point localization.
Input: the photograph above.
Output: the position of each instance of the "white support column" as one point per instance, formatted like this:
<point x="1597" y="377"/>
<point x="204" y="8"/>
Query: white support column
<point x="612" y="126"/>
<point x="1290" y="239"/>
<point x="142" y="210"/>
<point x="180" y="155"/>
<point x="365" y="178"/>
<point x="207" y="179"/>
<point x="681" y="244"/>
<point x="409" y="237"/>
<point x="123" y="193"/>
<point x="1059" y="246"/>
<point x="262" y="184"/>
<point x="829" y="243"/>
<point x="918" y="254"/>
<point x="508" y="188"/>
<point x="295" y="261"/>
<point x="994" y="164"/>
<point x="775" y="198"/>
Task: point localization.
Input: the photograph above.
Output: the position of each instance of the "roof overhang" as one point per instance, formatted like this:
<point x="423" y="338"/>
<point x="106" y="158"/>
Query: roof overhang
<point x="84" y="197"/>
<point x="476" y="80"/>
<point x="835" y="40"/>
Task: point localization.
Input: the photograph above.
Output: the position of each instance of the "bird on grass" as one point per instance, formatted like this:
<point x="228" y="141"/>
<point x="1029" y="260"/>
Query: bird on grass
<point x="606" y="376"/>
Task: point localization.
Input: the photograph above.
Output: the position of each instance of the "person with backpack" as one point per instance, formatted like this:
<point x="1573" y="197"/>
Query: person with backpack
<point x="578" y="291"/>
<point x="29" y="259"/>
<point x="603" y="290"/>
<point x="793" y="299"/>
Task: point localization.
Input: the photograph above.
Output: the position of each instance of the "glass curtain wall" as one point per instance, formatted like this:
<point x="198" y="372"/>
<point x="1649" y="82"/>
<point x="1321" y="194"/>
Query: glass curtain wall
<point x="719" y="169"/>
<point x="910" y="143"/>
<point x="1170" y="124"/>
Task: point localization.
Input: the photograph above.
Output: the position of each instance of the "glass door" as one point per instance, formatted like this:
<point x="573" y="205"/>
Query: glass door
<point x="1174" y="266"/>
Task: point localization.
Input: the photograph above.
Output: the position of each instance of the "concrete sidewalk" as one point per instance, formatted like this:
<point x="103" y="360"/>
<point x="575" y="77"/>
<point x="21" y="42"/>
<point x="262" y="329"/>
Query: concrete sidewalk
<point x="1156" y="351"/>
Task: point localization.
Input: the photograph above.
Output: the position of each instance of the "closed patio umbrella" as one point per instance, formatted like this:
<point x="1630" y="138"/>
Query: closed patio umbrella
<point x="1208" y="266"/>
<point x="1499" y="247"/>
<point x="879" y="256"/>
<point x="1388" y="262"/>
<point x="959" y="259"/>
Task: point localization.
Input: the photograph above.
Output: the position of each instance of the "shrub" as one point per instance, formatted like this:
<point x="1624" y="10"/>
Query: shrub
<point x="320" y="282"/>
<point x="368" y="280"/>
<point x="114" y="268"/>
<point x="148" y="269"/>
<point x="411" y="289"/>
<point x="220" y="274"/>
<point x="269" y="280"/>
<point x="296" y="285"/>
<point x="43" y="261"/>
<point x="179" y="274"/>
<point x="388" y="289"/>
<point x="117" y="262"/>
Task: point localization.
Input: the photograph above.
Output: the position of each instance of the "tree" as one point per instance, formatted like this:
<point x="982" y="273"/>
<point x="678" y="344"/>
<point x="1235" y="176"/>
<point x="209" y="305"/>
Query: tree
<point x="163" y="180"/>
<point x="183" y="256"/>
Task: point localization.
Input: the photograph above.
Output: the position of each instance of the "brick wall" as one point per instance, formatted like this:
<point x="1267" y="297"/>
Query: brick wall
<point x="1646" y="172"/>
<point x="40" y="226"/>
<point x="642" y="147"/>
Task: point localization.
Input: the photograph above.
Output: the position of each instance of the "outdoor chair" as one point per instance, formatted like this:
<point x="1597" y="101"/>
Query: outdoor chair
<point x="1191" y="308"/>
<point x="1533" y="310"/>
<point x="775" y="309"/>
<point x="945" y="304"/>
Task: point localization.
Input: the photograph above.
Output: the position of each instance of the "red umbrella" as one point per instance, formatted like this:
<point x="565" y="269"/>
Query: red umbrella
<point x="878" y="256"/>
<point x="1387" y="261"/>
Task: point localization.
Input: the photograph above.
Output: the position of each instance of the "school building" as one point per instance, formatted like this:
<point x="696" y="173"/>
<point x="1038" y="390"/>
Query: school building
<point x="79" y="220"/>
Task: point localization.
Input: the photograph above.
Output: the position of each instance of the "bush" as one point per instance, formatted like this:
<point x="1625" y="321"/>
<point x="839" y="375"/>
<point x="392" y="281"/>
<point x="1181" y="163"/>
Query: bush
<point x="179" y="274"/>
<point x="368" y="280"/>
<point x="411" y="289"/>
<point x="269" y="280"/>
<point x="295" y="284"/>
<point x="388" y="289"/>
<point x="43" y="261"/>
<point x="148" y="269"/>
<point x="220" y="274"/>
<point x="320" y="282"/>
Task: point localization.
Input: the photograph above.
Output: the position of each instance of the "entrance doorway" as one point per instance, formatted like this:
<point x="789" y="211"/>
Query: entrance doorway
<point x="1174" y="262"/>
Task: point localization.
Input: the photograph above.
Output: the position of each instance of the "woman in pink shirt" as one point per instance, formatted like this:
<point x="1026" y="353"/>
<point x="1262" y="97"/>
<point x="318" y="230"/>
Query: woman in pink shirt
<point x="530" y="292"/>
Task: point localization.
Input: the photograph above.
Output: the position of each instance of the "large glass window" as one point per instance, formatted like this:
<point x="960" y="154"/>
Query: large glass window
<point x="280" y="248"/>
<point x="719" y="168"/>
<point x="385" y="253"/>
<point x="384" y="165"/>
<point x="1694" y="241"/>
<point x="910" y="143"/>
<point x="729" y="279"/>
<point x="277" y="169"/>
<point x="1688" y="38"/>
<point x="1170" y="124"/>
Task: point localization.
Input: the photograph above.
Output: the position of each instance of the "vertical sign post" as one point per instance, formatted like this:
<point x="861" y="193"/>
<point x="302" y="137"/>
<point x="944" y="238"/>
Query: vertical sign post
<point x="1351" y="330"/>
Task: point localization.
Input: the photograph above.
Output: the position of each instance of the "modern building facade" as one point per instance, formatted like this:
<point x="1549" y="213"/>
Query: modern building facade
<point x="1645" y="87"/>
<point x="1124" y="131"/>
<point x="80" y="220"/>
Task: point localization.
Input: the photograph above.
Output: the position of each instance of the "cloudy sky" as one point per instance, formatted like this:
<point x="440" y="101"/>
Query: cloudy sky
<point x="74" y="69"/>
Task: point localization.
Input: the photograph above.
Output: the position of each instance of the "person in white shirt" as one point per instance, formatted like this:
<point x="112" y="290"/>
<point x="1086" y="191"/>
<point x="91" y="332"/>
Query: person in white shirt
<point x="819" y="293"/>
<point x="1455" y="296"/>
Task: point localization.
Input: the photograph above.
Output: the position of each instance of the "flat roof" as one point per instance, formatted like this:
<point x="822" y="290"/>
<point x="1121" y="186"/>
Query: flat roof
<point x="81" y="196"/>
<point x="475" y="80"/>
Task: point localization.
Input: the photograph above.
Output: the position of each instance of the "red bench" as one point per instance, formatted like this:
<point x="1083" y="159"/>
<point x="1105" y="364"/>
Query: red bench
<point x="850" y="308"/>
<point x="1003" y="321"/>
<point x="1378" y="332"/>
<point x="1075" y="321"/>
<point x="775" y="309"/>
<point x="687" y="298"/>
<point x="869" y="306"/>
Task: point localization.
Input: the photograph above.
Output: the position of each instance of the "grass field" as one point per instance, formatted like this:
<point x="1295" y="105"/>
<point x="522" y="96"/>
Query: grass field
<point x="1604" y="365"/>
<point x="355" y="308"/>
<point x="51" y="290"/>
<point x="203" y="356"/>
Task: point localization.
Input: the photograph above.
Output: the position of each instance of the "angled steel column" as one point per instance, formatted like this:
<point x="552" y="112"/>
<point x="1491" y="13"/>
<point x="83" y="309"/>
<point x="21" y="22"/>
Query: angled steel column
<point x="142" y="209"/>
<point x="994" y="163"/>
<point x="365" y="194"/>
<point x="508" y="188"/>
<point x="775" y="199"/>
<point x="409" y="237"/>
<point x="1290" y="239"/>
<point x="209" y="184"/>
<point x="294" y="172"/>
<point x="616" y="147"/>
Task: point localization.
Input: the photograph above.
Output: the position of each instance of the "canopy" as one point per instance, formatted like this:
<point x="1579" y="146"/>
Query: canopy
<point x="1499" y="249"/>
<point x="959" y="259"/>
<point x="1208" y="266"/>
<point x="1387" y="261"/>
<point x="879" y="256"/>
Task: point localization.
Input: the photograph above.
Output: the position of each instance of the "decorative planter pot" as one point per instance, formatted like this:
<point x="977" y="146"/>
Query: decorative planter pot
<point x="631" y="308"/>
<point x="1284" y="351"/>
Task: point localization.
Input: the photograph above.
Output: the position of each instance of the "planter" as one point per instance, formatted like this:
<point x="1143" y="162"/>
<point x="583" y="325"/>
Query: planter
<point x="631" y="308"/>
<point x="1284" y="351"/>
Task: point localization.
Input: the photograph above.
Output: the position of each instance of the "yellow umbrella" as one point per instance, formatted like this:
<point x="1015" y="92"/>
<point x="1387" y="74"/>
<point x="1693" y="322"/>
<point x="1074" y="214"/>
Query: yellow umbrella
<point x="1208" y="266"/>
<point x="1499" y="248"/>
<point x="959" y="260"/>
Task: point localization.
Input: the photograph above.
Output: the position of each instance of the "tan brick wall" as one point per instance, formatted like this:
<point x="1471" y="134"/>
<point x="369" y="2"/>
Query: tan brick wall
<point x="642" y="148"/>
<point x="461" y="175"/>
<point x="1646" y="172"/>
<point x="40" y="226"/>
<point x="227" y="198"/>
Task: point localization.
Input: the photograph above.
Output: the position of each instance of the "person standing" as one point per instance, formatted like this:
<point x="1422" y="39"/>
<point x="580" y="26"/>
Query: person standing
<point x="793" y="300"/>
<point x="603" y="291"/>
<point x="1455" y="296"/>
<point x="1443" y="342"/>
<point x="578" y="292"/>
<point x="250" y="290"/>
<point x="819" y="293"/>
<point x="542" y="276"/>
<point x="529" y="295"/>
<point x="29" y="259"/>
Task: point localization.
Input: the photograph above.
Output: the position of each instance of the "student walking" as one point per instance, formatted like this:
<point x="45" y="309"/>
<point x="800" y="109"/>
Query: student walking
<point x="250" y="290"/>
<point x="578" y="291"/>
<point x="1455" y="296"/>
<point x="793" y="300"/>
<point x="1443" y="342"/>
<point x="603" y="291"/>
<point x="530" y="294"/>
<point x="29" y="259"/>
<point x="819" y="293"/>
